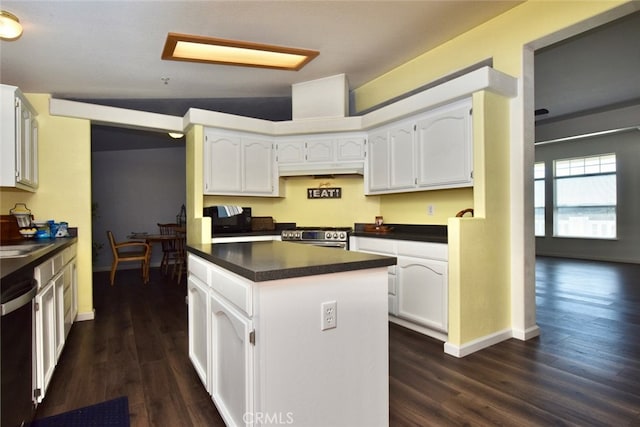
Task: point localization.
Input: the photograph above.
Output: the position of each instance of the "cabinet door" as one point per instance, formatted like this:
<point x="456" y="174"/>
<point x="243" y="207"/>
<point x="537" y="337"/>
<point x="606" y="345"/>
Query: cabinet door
<point x="222" y="163"/>
<point x="444" y="143"/>
<point x="26" y="145"/>
<point x="401" y="172"/>
<point x="320" y="151"/>
<point x="378" y="161"/>
<point x="422" y="292"/>
<point x="198" y="297"/>
<point x="231" y="362"/>
<point x="290" y="152"/>
<point x="59" y="307"/>
<point x="350" y="148"/>
<point x="70" y="296"/>
<point x="45" y="337"/>
<point x="257" y="166"/>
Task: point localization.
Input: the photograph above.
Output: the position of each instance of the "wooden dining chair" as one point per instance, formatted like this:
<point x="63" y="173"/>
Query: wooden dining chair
<point x="169" y="247"/>
<point x="128" y="251"/>
<point x="181" y="260"/>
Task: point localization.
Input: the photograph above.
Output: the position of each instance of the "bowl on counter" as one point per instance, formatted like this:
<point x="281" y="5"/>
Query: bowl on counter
<point x="28" y="232"/>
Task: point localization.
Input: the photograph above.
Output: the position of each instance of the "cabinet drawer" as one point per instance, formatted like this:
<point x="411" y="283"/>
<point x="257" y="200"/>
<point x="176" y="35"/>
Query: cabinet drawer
<point x="58" y="262"/>
<point x="379" y="246"/>
<point x="44" y="272"/>
<point x="68" y="254"/>
<point x="425" y="250"/>
<point x="199" y="268"/>
<point x="233" y="288"/>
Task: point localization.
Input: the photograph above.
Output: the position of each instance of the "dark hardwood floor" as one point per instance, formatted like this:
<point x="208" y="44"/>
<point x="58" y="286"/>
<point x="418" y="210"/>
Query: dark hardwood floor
<point x="584" y="369"/>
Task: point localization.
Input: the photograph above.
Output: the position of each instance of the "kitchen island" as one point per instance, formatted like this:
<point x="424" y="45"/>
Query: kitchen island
<point x="286" y="333"/>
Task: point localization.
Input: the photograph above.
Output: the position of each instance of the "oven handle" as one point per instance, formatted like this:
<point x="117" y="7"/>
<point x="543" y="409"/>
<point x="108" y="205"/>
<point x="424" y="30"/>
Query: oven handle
<point x="23" y="299"/>
<point x="341" y="245"/>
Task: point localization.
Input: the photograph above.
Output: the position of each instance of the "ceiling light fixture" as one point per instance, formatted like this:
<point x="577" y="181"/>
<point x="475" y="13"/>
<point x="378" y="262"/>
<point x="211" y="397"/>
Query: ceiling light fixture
<point x="182" y="47"/>
<point x="10" y="28"/>
<point x="176" y="135"/>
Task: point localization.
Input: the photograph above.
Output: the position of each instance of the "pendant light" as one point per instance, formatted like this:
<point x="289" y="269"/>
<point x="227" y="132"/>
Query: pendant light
<point x="10" y="28"/>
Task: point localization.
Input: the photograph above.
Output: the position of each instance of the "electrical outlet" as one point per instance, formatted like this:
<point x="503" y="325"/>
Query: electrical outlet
<point x="329" y="315"/>
<point x="430" y="210"/>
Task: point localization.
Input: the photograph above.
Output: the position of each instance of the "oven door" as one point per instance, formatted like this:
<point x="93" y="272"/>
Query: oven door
<point x="337" y="245"/>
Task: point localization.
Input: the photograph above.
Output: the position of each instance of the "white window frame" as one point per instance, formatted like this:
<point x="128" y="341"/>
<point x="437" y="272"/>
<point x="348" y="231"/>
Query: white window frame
<point x="596" y="168"/>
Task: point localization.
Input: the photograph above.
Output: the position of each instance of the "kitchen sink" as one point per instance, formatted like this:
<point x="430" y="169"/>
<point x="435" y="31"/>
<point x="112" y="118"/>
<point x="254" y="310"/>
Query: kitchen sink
<point x="18" y="251"/>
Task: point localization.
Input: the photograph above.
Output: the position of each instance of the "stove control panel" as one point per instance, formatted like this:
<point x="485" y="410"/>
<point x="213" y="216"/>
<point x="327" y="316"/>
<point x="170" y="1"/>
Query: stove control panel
<point x="315" y="235"/>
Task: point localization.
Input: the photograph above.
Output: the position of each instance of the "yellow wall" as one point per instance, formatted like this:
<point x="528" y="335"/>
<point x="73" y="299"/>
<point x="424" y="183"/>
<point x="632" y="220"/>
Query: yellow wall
<point x="64" y="152"/>
<point x="479" y="257"/>
<point x="354" y="206"/>
<point x="479" y="288"/>
<point x="501" y="39"/>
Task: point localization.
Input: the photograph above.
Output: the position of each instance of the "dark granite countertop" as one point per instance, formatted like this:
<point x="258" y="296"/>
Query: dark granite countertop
<point x="414" y="232"/>
<point x="9" y="266"/>
<point x="273" y="260"/>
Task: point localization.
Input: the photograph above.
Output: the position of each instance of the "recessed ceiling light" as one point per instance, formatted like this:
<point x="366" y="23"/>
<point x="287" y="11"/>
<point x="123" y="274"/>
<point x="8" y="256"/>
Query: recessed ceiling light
<point x="182" y="47"/>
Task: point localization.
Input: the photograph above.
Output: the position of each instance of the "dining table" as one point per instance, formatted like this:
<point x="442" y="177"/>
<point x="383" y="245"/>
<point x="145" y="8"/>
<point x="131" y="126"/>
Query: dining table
<point x="151" y="239"/>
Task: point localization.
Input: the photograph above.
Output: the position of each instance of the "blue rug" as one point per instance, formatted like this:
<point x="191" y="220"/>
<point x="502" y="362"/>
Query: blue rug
<point x="112" y="413"/>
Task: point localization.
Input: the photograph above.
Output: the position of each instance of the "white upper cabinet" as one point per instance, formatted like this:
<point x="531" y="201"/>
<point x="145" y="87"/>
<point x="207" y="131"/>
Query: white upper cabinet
<point x="443" y="143"/>
<point x="290" y="152"/>
<point x="391" y="164"/>
<point x="350" y="148"/>
<point x="428" y="151"/>
<point x="259" y="168"/>
<point x="321" y="154"/>
<point x="321" y="151"/>
<point x="19" y="141"/>
<point x="401" y="155"/>
<point x="378" y="171"/>
<point x="237" y="163"/>
<point x="222" y="163"/>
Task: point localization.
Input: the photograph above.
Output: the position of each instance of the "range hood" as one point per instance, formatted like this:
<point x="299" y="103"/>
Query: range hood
<point x="302" y="169"/>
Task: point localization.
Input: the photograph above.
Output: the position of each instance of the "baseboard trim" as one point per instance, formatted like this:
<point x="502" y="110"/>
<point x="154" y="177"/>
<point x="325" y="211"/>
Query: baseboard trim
<point x="526" y="334"/>
<point x="418" y="328"/>
<point x="477" y="344"/>
<point x="89" y="315"/>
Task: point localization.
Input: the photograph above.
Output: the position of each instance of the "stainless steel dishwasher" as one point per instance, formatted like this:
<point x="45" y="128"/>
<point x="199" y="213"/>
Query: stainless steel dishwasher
<point x="17" y="292"/>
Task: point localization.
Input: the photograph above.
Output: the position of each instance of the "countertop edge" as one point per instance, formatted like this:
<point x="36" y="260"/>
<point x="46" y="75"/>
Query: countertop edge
<point x="12" y="266"/>
<point x="288" y="273"/>
<point x="401" y="236"/>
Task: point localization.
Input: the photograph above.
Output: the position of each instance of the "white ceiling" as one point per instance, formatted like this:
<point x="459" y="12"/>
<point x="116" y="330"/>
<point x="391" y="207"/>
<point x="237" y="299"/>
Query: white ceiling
<point x="592" y="71"/>
<point x="112" y="49"/>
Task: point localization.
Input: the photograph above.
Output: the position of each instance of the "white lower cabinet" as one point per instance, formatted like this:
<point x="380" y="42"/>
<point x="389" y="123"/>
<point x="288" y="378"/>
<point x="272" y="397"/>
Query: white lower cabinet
<point x="422" y="293"/>
<point x="418" y="284"/>
<point x="260" y="350"/>
<point x="198" y="300"/>
<point x="45" y="338"/>
<point x="220" y="346"/>
<point x="56" y="307"/>
<point x="231" y="361"/>
<point x="70" y="294"/>
<point x="59" y="312"/>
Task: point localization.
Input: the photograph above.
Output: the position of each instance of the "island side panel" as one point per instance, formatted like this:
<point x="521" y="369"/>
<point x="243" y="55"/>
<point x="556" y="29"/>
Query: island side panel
<point x="335" y="377"/>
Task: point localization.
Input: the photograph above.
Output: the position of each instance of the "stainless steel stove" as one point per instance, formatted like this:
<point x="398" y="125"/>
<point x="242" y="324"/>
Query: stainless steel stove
<point x="333" y="237"/>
